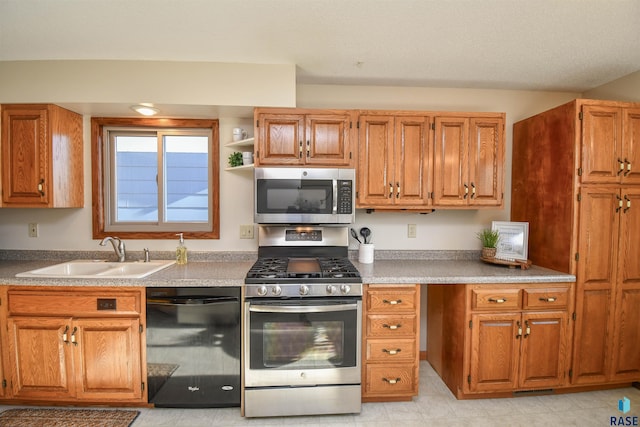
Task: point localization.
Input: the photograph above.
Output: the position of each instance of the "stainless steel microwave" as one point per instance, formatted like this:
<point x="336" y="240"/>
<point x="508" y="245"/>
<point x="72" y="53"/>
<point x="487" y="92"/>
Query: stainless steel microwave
<point x="304" y="196"/>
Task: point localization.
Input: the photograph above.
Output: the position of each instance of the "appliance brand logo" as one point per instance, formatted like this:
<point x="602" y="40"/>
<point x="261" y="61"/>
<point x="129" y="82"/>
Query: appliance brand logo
<point x="193" y="388"/>
<point x="624" y="406"/>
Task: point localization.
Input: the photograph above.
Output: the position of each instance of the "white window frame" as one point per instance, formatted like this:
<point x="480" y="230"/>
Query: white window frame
<point x="109" y="184"/>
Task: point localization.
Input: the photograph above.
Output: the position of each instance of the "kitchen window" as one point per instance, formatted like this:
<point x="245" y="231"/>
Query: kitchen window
<point x="154" y="178"/>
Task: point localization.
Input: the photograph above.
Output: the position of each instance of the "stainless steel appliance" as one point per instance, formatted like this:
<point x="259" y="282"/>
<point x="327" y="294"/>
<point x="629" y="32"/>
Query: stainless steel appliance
<point x="193" y="347"/>
<point x="304" y="196"/>
<point x="302" y="324"/>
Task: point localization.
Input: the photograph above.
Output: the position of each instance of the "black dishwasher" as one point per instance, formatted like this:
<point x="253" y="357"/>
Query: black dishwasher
<point x="193" y="347"/>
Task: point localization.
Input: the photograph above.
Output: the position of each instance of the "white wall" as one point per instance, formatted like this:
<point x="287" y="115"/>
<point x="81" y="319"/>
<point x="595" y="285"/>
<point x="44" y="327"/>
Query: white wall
<point x="70" y="229"/>
<point x="626" y="88"/>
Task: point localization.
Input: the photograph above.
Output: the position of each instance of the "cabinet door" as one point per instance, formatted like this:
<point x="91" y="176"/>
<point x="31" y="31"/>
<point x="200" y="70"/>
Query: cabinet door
<point x="40" y="357"/>
<point x="375" y="172"/>
<point x="596" y="275"/>
<point x="631" y="146"/>
<point x="25" y="156"/>
<point x="486" y="161"/>
<point x="108" y="359"/>
<point x="626" y="344"/>
<point x="280" y="139"/>
<point x="412" y="164"/>
<point x="450" y="166"/>
<point x="328" y="139"/>
<point x="601" y="144"/>
<point x="543" y="362"/>
<point x="495" y="347"/>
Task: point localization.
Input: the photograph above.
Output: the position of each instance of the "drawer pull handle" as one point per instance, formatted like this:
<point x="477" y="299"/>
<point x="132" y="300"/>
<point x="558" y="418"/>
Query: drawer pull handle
<point x="391" y="352"/>
<point x="65" y="338"/>
<point x="392" y="327"/>
<point x="549" y="299"/>
<point x="392" y="302"/>
<point x="73" y="336"/>
<point x="498" y="300"/>
<point x="391" y="381"/>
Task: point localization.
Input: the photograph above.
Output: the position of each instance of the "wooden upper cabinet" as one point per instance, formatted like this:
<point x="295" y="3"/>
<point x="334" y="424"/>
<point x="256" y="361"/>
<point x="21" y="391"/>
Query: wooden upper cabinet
<point x="42" y="159"/>
<point x="469" y="161"/>
<point x="610" y="144"/>
<point x="289" y="137"/>
<point x="395" y="158"/>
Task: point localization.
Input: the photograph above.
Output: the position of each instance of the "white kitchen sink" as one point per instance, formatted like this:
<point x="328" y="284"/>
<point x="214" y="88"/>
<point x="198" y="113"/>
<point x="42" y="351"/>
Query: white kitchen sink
<point x="90" y="269"/>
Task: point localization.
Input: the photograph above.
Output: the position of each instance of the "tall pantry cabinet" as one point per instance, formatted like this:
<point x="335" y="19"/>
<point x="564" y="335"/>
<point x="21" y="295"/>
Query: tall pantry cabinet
<point x="576" y="180"/>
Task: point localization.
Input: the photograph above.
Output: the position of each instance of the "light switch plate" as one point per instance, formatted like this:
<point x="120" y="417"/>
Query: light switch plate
<point x="412" y="231"/>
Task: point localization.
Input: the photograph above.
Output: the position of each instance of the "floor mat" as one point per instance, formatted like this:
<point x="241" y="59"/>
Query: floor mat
<point x="42" y="417"/>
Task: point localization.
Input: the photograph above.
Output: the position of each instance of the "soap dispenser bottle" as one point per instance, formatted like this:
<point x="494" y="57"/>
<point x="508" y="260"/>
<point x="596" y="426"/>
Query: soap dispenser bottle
<point x="181" y="251"/>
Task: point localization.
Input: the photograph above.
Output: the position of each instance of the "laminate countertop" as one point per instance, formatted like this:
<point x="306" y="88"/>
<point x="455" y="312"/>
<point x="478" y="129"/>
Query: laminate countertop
<point x="232" y="273"/>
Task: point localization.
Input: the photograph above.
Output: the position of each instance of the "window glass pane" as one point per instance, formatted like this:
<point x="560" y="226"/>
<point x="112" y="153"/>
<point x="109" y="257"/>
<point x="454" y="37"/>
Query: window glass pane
<point x="136" y="174"/>
<point x="186" y="178"/>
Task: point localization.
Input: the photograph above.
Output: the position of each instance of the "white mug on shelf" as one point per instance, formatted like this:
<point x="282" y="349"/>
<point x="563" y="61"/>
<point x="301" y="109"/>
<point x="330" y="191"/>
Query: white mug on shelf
<point x="365" y="253"/>
<point x="239" y="134"/>
<point x="247" y="157"/>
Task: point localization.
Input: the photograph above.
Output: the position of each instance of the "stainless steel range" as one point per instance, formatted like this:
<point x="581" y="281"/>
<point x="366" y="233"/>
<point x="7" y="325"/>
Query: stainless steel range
<point x="302" y="324"/>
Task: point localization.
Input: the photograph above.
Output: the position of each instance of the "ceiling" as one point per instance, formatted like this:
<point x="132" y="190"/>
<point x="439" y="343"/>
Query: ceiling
<point x="555" y="45"/>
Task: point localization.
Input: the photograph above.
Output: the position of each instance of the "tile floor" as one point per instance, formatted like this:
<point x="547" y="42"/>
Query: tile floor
<point x="435" y="406"/>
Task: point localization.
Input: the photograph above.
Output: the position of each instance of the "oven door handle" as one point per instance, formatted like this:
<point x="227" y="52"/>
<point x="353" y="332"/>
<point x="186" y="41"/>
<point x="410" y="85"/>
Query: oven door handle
<point x="301" y="308"/>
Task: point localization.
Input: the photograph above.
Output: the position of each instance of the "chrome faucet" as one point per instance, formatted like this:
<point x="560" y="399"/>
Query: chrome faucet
<point x="117" y="247"/>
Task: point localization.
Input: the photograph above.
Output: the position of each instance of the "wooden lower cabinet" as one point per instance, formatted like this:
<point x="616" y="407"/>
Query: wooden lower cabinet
<point x="499" y="338"/>
<point x="390" y="367"/>
<point x="62" y="347"/>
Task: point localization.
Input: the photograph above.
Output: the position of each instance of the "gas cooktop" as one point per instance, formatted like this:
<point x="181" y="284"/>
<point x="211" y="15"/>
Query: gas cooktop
<point x="283" y="270"/>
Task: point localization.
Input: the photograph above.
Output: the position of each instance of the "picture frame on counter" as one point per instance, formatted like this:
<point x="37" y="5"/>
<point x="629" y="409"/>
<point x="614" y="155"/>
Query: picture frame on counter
<point x="514" y="240"/>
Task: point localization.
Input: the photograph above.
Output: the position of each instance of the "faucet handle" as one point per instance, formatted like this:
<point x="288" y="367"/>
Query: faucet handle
<point x="147" y="257"/>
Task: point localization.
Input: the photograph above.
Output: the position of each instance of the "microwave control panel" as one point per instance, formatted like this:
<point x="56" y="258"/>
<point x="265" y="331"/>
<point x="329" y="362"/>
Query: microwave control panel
<point x="345" y="197"/>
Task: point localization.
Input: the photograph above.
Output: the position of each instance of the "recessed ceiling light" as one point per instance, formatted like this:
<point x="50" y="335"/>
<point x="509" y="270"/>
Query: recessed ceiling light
<point x="145" y="110"/>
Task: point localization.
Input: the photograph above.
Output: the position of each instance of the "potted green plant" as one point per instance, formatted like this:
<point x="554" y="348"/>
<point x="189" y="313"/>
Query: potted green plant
<point x="235" y="159"/>
<point x="489" y="239"/>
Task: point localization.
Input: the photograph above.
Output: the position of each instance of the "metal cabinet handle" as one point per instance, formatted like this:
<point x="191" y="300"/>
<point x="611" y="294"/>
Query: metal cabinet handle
<point x="398" y="190"/>
<point x="527" y="329"/>
<point x="392" y="327"/>
<point x="473" y="190"/>
<point x="466" y="191"/>
<point x="391" y="380"/>
<point x="41" y="187"/>
<point x="73" y="336"/>
<point x="519" y="334"/>
<point x="390" y="190"/>
<point x="628" y="203"/>
<point x="498" y="300"/>
<point x="392" y="302"/>
<point x="619" y="203"/>
<point x="300" y="150"/>
<point x="308" y="148"/>
<point x="391" y="352"/>
<point x="549" y="299"/>
<point x="621" y="164"/>
<point x="65" y="338"/>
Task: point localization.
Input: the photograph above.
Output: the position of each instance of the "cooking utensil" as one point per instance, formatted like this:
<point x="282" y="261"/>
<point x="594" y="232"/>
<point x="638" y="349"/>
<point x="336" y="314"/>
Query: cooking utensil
<point x="355" y="235"/>
<point x="365" y="233"/>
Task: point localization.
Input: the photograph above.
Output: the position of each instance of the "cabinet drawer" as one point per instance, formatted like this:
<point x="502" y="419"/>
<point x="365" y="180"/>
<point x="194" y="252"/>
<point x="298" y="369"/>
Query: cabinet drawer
<point x="390" y="350"/>
<point x="552" y="298"/>
<point x="391" y="379"/>
<point x="495" y="299"/>
<point x="65" y="303"/>
<point x="391" y="299"/>
<point x="380" y="325"/>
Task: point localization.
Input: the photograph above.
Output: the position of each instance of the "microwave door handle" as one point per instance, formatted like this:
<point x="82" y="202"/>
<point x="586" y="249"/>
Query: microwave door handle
<point x="335" y="197"/>
<point x="301" y="308"/>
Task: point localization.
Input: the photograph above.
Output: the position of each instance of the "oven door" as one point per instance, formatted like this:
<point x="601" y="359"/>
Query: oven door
<point x="302" y="342"/>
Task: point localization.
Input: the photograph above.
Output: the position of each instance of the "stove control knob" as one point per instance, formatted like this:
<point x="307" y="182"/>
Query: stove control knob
<point x="331" y="289"/>
<point x="262" y="291"/>
<point x="345" y="289"/>
<point x="304" y="290"/>
<point x="276" y="290"/>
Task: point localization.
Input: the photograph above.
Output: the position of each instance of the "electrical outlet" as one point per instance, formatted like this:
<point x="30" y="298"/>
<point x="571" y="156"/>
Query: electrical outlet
<point x="412" y="231"/>
<point x="246" y="231"/>
<point x="33" y="229"/>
